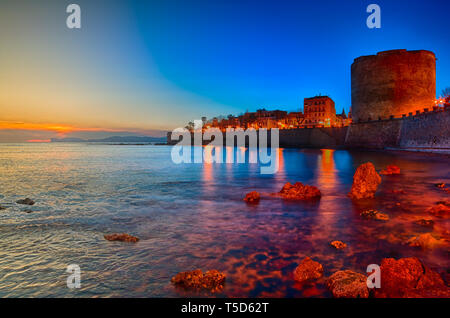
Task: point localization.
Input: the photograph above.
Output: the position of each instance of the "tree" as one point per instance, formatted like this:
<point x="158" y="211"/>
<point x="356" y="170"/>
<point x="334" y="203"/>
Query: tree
<point x="446" y="94"/>
<point x="190" y="126"/>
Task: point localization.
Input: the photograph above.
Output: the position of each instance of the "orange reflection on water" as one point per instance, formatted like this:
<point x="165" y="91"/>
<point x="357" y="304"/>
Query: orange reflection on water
<point x="326" y="172"/>
<point x="327" y="183"/>
<point x="280" y="159"/>
<point x="207" y="165"/>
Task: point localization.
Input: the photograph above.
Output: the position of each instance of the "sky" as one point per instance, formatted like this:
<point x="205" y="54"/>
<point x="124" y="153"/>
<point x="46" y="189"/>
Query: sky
<point x="145" y="67"/>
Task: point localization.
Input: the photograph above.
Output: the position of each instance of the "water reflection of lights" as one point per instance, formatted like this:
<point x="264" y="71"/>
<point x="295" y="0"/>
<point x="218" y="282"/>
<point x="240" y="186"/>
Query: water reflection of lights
<point x="326" y="172"/>
<point x="327" y="182"/>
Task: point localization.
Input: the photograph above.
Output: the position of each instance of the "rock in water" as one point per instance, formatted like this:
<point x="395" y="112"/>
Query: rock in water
<point x="2" y="208"/>
<point x="121" y="237"/>
<point x="348" y="284"/>
<point x="391" y="169"/>
<point x="425" y="222"/>
<point x="408" y="277"/>
<point x="212" y="280"/>
<point x="308" y="270"/>
<point x="425" y="241"/>
<point x="299" y="191"/>
<point x="338" y="245"/>
<point x="374" y="215"/>
<point x="440" y="210"/>
<point x="444" y="202"/>
<point x="365" y="182"/>
<point x="26" y="201"/>
<point x="252" y="197"/>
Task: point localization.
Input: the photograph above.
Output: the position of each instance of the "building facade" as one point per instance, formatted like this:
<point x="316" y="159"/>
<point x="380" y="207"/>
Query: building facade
<point x="319" y="111"/>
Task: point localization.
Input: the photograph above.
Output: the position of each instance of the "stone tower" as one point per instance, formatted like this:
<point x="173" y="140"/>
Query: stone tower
<point x="392" y="83"/>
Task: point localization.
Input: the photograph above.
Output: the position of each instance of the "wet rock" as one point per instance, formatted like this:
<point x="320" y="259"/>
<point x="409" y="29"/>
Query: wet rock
<point x="26" y="201"/>
<point x="338" y="245"/>
<point x="444" y="202"/>
<point x="212" y="280"/>
<point x="424" y="241"/>
<point x="408" y="277"/>
<point x="123" y="237"/>
<point x="278" y="263"/>
<point x="440" y="210"/>
<point x="299" y="191"/>
<point x="397" y="191"/>
<point x="365" y="182"/>
<point x="375" y="215"/>
<point x="308" y="270"/>
<point x="252" y="197"/>
<point x="425" y="222"/>
<point x="391" y="169"/>
<point x="348" y="284"/>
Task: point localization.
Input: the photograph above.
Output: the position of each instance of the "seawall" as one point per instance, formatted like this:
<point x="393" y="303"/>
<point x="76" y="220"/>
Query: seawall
<point x="313" y="137"/>
<point x="297" y="138"/>
<point x="423" y="131"/>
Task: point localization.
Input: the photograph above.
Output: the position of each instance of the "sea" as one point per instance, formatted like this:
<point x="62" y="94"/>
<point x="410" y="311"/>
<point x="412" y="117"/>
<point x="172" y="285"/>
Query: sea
<point x="192" y="216"/>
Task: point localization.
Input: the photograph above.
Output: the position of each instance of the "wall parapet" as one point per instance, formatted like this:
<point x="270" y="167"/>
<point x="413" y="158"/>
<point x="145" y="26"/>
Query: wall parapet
<point x="427" y="129"/>
<point x="414" y="115"/>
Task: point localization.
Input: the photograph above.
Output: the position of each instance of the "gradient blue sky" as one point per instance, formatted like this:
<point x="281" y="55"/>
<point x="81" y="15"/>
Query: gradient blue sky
<point x="145" y="66"/>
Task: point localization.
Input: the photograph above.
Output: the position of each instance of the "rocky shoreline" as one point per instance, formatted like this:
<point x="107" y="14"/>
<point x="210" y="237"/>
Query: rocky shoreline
<point x="420" y="281"/>
<point x="403" y="277"/>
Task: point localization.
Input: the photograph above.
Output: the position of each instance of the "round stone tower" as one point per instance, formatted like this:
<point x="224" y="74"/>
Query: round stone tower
<point x="392" y="83"/>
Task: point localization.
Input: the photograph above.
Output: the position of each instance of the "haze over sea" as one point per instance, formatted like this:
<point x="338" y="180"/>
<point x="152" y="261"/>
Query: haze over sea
<point x="192" y="216"/>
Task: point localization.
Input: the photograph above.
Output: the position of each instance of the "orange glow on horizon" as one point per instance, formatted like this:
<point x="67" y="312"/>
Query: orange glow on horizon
<point x="39" y="140"/>
<point x="58" y="128"/>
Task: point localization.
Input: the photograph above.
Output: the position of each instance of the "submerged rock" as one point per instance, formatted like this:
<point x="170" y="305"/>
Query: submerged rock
<point x="439" y="210"/>
<point x="338" y="245"/>
<point x="391" y="169"/>
<point x="365" y="182"/>
<point x="395" y="191"/>
<point x="408" y="277"/>
<point x="123" y="237"/>
<point x="252" y="197"/>
<point x="308" y="270"/>
<point x="425" y="241"/>
<point x="26" y="201"/>
<point x="444" y="202"/>
<point x="348" y="284"/>
<point x="299" y="191"/>
<point x="375" y="215"/>
<point x="212" y="280"/>
<point x="425" y="222"/>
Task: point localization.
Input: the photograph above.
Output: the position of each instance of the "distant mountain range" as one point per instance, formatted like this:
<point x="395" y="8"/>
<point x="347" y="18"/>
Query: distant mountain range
<point x="114" y="139"/>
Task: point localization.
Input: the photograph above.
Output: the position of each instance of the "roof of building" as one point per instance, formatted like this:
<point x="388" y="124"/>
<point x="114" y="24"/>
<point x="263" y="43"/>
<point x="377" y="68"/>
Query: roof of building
<point x="318" y="96"/>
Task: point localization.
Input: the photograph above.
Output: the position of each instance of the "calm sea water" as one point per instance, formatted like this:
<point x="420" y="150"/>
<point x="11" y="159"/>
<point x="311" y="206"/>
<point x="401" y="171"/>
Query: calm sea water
<point x="192" y="216"/>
